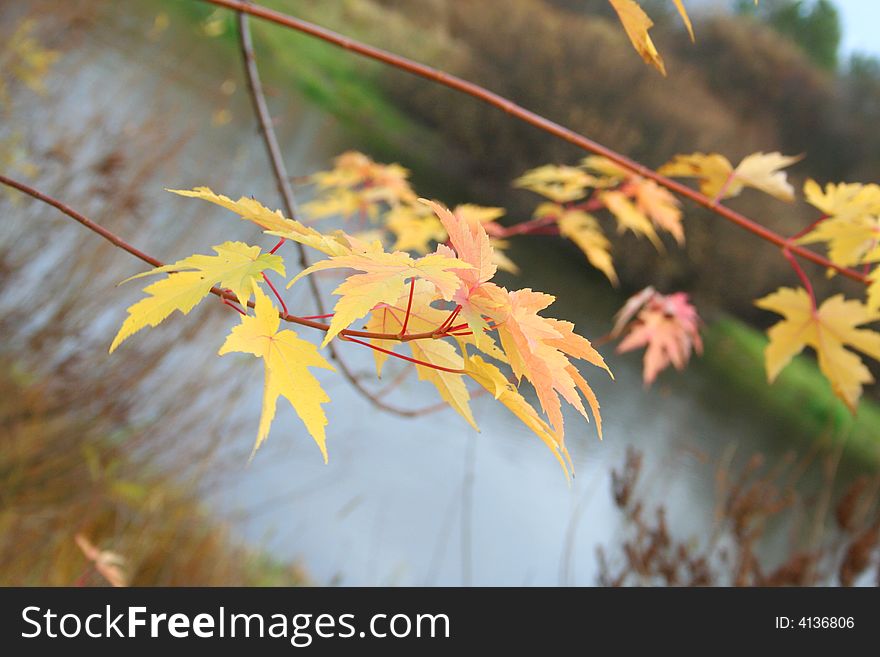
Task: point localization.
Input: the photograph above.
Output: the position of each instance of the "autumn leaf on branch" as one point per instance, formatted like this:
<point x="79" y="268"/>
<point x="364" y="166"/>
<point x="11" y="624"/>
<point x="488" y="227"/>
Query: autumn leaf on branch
<point x="828" y="329"/>
<point x="850" y="223"/>
<point x="423" y="318"/>
<point x="667" y="326"/>
<point x="584" y="230"/>
<point x="649" y="199"/>
<point x="383" y="279"/>
<point x="287" y="358"/>
<point x="559" y="183"/>
<point x="236" y="266"/>
<point x="719" y="180"/>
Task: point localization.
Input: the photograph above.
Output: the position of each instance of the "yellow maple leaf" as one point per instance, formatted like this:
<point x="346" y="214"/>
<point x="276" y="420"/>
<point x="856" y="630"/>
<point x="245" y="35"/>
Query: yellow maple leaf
<point x="852" y="240"/>
<point x="652" y="200"/>
<point x="843" y="200"/>
<point x="636" y="23"/>
<point x="583" y="229"/>
<point x="383" y="280"/>
<point x="488" y="216"/>
<point x="559" y="183"/>
<point x="236" y="266"/>
<point x="415" y="228"/>
<point x="718" y="179"/>
<point x="630" y="217"/>
<point x="852" y="229"/>
<point x="287" y="358"/>
<point x="273" y="222"/>
<point x="494" y="381"/>
<point x="660" y="206"/>
<point x="828" y="330"/>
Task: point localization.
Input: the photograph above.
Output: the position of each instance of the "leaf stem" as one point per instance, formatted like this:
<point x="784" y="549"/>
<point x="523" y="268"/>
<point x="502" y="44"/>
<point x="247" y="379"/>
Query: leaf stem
<point x="412" y="287"/>
<point x="275" y="292"/>
<point x="415" y="361"/>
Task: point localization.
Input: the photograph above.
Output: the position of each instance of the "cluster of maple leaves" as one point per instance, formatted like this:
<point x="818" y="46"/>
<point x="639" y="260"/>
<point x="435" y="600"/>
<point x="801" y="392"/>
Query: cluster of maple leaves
<point x="431" y="293"/>
<point x="443" y="306"/>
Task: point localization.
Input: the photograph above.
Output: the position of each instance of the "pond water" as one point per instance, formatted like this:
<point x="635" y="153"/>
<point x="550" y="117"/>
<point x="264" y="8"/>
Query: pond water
<point x="402" y="501"/>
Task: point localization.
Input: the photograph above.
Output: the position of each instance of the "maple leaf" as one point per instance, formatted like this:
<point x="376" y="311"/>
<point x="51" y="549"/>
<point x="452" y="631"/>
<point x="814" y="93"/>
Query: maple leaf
<point x="273" y="222"/>
<point x="423" y="318"/>
<point x="630" y="217"/>
<point x="660" y="205"/>
<point x="359" y="185"/>
<point x="718" y="179"/>
<point x="852" y="227"/>
<point x="476" y="296"/>
<point x="666" y="325"/>
<point x="538" y="349"/>
<point x="828" y="329"/>
<point x="383" y="280"/>
<point x="488" y="217"/>
<point x="236" y="266"/>
<point x="651" y="200"/>
<point x="287" y="358"/>
<point x="843" y="200"/>
<point x="636" y="24"/>
<point x="415" y="228"/>
<point x="583" y="229"/>
<point x="494" y="381"/>
<point x="852" y="240"/>
<point x="559" y="183"/>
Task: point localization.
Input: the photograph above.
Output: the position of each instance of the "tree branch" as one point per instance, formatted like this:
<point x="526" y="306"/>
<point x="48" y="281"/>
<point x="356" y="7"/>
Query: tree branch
<point x="538" y="121"/>
<point x="114" y="239"/>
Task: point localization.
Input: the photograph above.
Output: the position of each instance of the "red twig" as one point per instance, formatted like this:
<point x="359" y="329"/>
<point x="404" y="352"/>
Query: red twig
<point x="808" y="286"/>
<point x="536" y="120"/>
<point x="223" y="294"/>
<point x="279" y="245"/>
<point x="416" y="361"/>
<point x="275" y="291"/>
<point x="412" y="287"/>
<point x="227" y="302"/>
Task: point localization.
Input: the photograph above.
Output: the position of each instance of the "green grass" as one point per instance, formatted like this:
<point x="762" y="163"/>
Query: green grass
<point x="801" y="397"/>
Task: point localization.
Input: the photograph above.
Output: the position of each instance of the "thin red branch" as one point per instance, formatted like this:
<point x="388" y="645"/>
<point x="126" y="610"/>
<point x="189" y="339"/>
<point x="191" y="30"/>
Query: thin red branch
<point x="227" y="302"/>
<point x="415" y="361"/>
<point x="807" y="229"/>
<point x="275" y="292"/>
<point x="412" y="288"/>
<point x="223" y="294"/>
<point x="536" y="120"/>
<point x="808" y="286"/>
